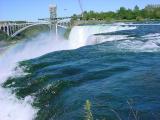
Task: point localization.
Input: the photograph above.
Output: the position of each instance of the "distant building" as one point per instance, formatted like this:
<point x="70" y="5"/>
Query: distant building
<point x="152" y="6"/>
<point x="53" y="11"/>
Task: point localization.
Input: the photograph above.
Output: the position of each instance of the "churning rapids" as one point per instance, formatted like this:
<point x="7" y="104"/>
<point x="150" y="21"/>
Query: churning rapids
<point x="116" y="67"/>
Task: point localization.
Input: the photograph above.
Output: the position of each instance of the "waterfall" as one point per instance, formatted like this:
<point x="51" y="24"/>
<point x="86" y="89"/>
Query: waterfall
<point x="13" y="108"/>
<point x="79" y="34"/>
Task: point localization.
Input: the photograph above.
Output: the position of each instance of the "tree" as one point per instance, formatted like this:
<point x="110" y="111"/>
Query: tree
<point x="157" y="13"/>
<point x="74" y="17"/>
<point x="137" y="13"/>
<point x="130" y="14"/>
<point x="149" y="12"/>
<point x="122" y="13"/>
<point x="136" y="9"/>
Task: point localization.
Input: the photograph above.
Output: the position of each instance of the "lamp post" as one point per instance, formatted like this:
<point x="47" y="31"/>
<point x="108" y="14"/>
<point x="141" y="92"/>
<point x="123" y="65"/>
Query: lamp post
<point x="80" y="4"/>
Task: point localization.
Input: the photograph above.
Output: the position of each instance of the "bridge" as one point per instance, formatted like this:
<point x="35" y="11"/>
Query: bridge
<point x="13" y="28"/>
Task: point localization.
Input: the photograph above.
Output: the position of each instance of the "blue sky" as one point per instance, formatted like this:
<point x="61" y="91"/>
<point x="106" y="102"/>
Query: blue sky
<point x="31" y="10"/>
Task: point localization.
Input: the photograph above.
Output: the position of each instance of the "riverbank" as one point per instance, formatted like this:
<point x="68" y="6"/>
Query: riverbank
<point x="94" y="22"/>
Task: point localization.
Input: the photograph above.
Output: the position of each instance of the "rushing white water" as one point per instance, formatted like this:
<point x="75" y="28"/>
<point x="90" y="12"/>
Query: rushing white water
<point x="80" y="34"/>
<point x="12" y="108"/>
<point x="15" y="109"/>
<point x="106" y="38"/>
<point x="150" y="43"/>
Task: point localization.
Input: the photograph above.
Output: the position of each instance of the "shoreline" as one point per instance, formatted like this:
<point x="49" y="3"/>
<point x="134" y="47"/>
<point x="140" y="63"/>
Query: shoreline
<point x="93" y="22"/>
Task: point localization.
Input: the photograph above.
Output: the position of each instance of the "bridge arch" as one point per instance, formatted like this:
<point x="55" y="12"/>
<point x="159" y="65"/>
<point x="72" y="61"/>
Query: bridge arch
<point x="26" y="27"/>
<point x="5" y="29"/>
<point x="9" y="28"/>
<point x="31" y="25"/>
<point x="16" y="27"/>
<point x="2" y="28"/>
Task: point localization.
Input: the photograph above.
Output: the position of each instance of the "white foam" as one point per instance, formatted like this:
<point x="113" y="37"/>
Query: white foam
<point x="150" y="45"/>
<point x="13" y="109"/>
<point x="152" y="35"/>
<point x="106" y="38"/>
<point x="139" y="46"/>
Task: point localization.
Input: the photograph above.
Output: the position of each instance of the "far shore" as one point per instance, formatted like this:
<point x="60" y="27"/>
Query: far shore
<point x="92" y="22"/>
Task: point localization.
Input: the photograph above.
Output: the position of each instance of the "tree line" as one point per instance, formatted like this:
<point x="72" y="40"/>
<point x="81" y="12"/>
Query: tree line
<point x="148" y="13"/>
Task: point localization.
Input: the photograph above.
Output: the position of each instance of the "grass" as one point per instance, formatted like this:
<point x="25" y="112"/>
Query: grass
<point x="88" y="112"/>
<point x="132" y="115"/>
<point x="132" y="111"/>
